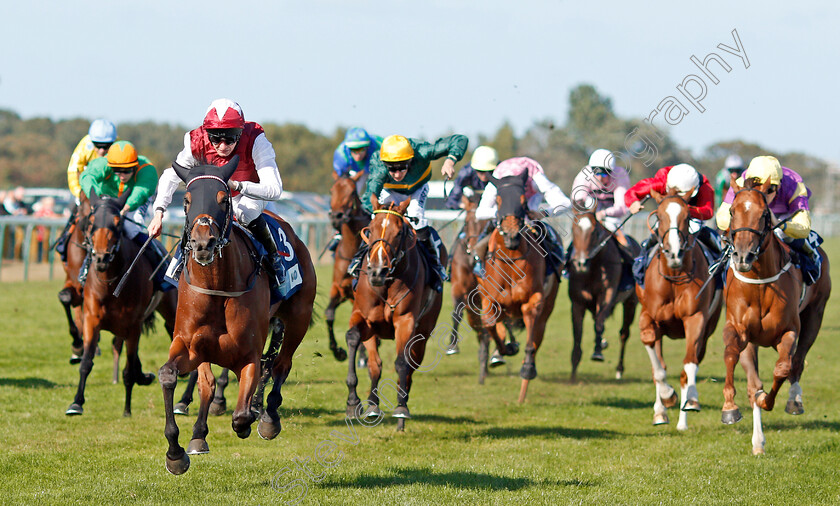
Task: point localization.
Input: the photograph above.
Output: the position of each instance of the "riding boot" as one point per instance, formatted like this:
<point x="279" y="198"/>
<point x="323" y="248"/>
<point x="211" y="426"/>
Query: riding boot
<point x="259" y="228"/>
<point x="711" y="240"/>
<point x="424" y="236"/>
<point x="155" y="254"/>
<point x="61" y="241"/>
<point x="334" y="242"/>
<point x="356" y="261"/>
<point x="809" y="258"/>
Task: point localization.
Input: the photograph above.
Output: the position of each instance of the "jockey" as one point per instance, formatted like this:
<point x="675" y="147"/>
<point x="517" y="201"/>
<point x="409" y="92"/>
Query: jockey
<point x="473" y="175"/>
<point x="733" y="164"/>
<point x="606" y="183"/>
<point x="788" y="200"/>
<point x="350" y="157"/>
<point x="256" y="180"/>
<point x="685" y="179"/>
<point x="537" y="188"/>
<point x="400" y="170"/>
<point x="95" y="144"/>
<point x="122" y="170"/>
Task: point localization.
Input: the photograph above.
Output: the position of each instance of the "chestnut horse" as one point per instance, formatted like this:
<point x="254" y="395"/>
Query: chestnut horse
<point x="126" y="317"/>
<point x="224" y="312"/>
<point x="595" y="270"/>
<point x="466" y="298"/>
<point x="348" y="218"/>
<point x="673" y="305"/>
<point x="392" y="301"/>
<point x="766" y="306"/>
<point x="515" y="284"/>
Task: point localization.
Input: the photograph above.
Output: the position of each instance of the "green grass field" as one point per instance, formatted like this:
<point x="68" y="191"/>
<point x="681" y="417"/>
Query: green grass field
<point x="592" y="442"/>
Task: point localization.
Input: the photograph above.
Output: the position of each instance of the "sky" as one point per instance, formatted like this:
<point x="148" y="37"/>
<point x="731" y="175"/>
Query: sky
<point x="424" y="69"/>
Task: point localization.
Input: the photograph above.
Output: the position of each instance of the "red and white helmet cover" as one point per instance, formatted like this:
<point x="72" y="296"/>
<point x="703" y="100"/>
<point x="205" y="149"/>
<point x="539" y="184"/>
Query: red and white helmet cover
<point x="224" y="113"/>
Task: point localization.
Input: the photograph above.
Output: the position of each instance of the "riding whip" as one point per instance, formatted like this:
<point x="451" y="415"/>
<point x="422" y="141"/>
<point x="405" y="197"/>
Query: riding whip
<point x="130" y="267"/>
<point x="612" y="234"/>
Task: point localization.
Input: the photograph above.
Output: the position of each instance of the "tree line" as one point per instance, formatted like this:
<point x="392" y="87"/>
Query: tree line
<point x="35" y="151"/>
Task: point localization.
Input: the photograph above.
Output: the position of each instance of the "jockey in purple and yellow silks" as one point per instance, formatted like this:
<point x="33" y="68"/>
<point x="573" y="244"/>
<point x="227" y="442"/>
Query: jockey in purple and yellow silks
<point x="788" y="200"/>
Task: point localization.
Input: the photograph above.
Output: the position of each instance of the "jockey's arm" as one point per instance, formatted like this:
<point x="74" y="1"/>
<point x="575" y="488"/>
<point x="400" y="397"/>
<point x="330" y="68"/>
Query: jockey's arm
<point x="487" y="206"/>
<point x="78" y="161"/>
<point x="144" y="186"/>
<point x="453" y="201"/>
<point x="91" y="178"/>
<point x="270" y="186"/>
<point x="554" y="196"/>
<point x="375" y="182"/>
<point x="723" y="217"/>
<point x="799" y="225"/>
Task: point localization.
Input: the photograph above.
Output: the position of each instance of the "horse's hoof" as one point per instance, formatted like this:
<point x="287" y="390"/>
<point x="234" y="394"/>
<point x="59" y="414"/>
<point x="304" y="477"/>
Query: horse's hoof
<point x="198" y="447"/>
<point x="453" y="350"/>
<point x="372" y="412"/>
<point x="352" y="411"/>
<point x="340" y="354"/>
<point x="764" y="401"/>
<point x="74" y="409"/>
<point x="244" y="433"/>
<point x="618" y="375"/>
<point x="497" y="359"/>
<point x="178" y="466"/>
<point x="794" y="408"/>
<point x="730" y="416"/>
<point x="691" y="405"/>
<point x="267" y="428"/>
<point x="604" y="344"/>
<point x="126" y="414"/>
<point x="670" y="402"/>
<point x="511" y="349"/>
<point x="528" y="371"/>
<point x="218" y="408"/>
<point x="181" y="409"/>
<point x="597" y="356"/>
<point x="145" y="379"/>
<point x="758" y="451"/>
<point x="401" y="412"/>
<point x="661" y="419"/>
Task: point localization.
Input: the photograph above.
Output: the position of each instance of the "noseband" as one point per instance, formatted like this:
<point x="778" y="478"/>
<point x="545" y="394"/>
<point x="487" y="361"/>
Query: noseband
<point x="209" y="221"/>
<point x="684" y="237"/>
<point x="393" y="259"/>
<point x="762" y="234"/>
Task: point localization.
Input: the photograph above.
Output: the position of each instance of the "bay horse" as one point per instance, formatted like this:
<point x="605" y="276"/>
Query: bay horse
<point x="348" y="218"/>
<point x="224" y="312"/>
<point x="111" y="253"/>
<point x="673" y="305"/>
<point x="766" y="306"/>
<point x="70" y="294"/>
<point x="392" y="301"/>
<point x="595" y="271"/>
<point x="466" y="298"/>
<point x="516" y="283"/>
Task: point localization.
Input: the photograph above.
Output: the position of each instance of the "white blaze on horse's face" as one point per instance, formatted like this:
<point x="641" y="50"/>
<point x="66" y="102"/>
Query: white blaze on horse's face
<point x="584" y="223"/>
<point x="673" y="237"/>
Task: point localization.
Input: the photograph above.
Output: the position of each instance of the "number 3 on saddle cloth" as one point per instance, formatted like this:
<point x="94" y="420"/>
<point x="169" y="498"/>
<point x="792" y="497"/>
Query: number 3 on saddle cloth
<point x="293" y="280"/>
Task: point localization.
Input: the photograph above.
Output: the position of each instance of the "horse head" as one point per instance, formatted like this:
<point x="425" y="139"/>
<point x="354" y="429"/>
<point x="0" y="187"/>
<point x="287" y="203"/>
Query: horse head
<point x="510" y="202"/>
<point x="751" y="222"/>
<point x="104" y="228"/>
<point x="386" y="237"/>
<point x="472" y="227"/>
<point x="672" y="226"/>
<point x="344" y="199"/>
<point x="208" y="207"/>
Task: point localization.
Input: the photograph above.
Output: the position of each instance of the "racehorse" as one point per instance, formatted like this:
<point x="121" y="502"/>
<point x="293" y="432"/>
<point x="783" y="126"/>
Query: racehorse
<point x="392" y="301"/>
<point x="466" y="297"/>
<point x="516" y="284"/>
<point x="766" y="306"/>
<point x="126" y="317"/>
<point x="224" y="312"/>
<point x="595" y="270"/>
<point x="348" y="218"/>
<point x="673" y="305"/>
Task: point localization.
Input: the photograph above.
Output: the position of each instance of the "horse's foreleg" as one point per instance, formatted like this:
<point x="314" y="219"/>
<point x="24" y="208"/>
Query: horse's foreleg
<point x="132" y="373"/>
<point x="177" y="461"/>
<point x="410" y="353"/>
<point x="810" y="321"/>
<point x="578" y="313"/>
<point x="749" y="361"/>
<point x="116" y="350"/>
<point x="534" y="328"/>
<point x="358" y="329"/>
<point x="629" y="313"/>
<point x="243" y="417"/>
<point x="206" y="390"/>
<point x="91" y="333"/>
<point x="603" y="308"/>
<point x="183" y="406"/>
<point x="219" y="406"/>
<point x="694" y="327"/>
<point x="781" y="372"/>
<point x="459" y="303"/>
<point x="483" y="355"/>
<point x="66" y="297"/>
<point x="339" y="353"/>
<point x="374" y="365"/>
<point x="732" y="350"/>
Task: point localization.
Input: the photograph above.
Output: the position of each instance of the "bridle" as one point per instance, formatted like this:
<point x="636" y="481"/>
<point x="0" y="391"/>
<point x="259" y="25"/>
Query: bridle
<point x="394" y="258"/>
<point x="112" y="251"/>
<point x="209" y="221"/>
<point x="762" y="234"/>
<point x="348" y="215"/>
<point x="687" y="241"/>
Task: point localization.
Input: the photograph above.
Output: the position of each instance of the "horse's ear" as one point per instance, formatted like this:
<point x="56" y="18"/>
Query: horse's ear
<point x="656" y="195"/>
<point x="123" y="198"/>
<point x="403" y="206"/>
<point x="733" y="182"/>
<point x="358" y="175"/>
<point x="764" y="187"/>
<point x="522" y="199"/>
<point x="93" y="197"/>
<point x="183" y="172"/>
<point x="228" y="169"/>
<point x="498" y="201"/>
<point x="525" y="177"/>
<point x="374" y="202"/>
<point x="335" y="176"/>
